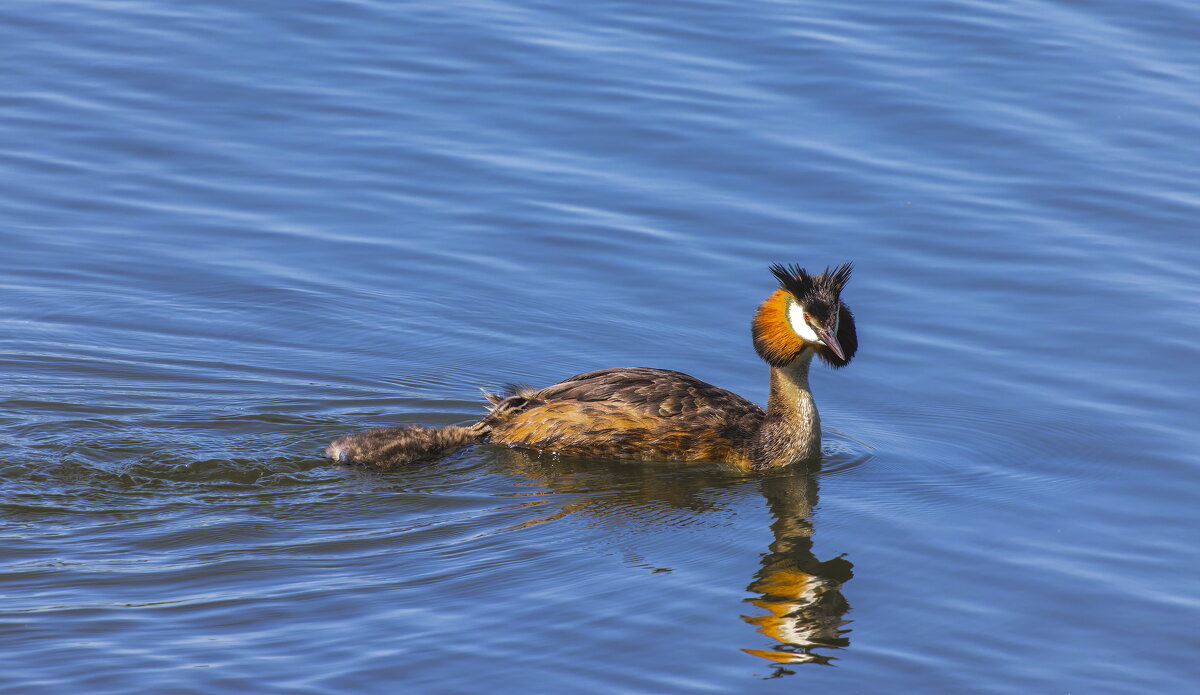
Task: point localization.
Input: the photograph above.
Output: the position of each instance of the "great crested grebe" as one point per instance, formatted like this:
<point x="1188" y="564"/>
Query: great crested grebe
<point x="659" y="414"/>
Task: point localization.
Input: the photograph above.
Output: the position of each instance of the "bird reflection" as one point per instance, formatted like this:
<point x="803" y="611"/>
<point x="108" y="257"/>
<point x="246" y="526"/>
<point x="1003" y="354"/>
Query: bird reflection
<point x="799" y="596"/>
<point x="802" y="596"/>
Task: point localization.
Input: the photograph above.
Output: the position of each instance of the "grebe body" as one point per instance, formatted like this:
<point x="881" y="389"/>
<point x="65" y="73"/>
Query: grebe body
<point x="629" y="412"/>
<point x="659" y="414"/>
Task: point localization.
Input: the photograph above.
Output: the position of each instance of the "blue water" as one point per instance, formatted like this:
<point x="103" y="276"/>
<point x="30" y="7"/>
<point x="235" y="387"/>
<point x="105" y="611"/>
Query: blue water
<point x="232" y="231"/>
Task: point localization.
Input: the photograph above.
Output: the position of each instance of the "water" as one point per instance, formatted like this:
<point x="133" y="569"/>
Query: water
<point x="234" y="231"/>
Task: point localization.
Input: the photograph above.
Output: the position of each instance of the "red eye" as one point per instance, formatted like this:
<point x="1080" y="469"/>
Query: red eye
<point x="807" y="318"/>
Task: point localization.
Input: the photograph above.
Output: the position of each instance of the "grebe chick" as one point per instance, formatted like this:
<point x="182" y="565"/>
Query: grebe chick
<point x="659" y="414"/>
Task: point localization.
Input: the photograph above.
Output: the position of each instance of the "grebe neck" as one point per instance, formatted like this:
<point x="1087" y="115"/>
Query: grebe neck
<point x="791" y="430"/>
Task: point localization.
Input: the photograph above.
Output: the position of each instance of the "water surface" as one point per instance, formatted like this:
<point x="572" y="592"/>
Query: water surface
<point x="234" y="231"/>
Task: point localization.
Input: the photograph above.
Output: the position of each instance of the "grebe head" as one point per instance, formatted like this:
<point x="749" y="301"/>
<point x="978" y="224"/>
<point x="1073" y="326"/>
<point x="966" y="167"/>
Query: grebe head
<point x="806" y="312"/>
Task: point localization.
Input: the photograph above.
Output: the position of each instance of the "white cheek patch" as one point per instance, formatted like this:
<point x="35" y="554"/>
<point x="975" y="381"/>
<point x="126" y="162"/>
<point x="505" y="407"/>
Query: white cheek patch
<point x="795" y="315"/>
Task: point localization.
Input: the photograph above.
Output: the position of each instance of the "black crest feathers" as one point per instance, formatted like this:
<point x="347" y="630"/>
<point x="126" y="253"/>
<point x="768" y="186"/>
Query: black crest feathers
<point x="797" y="280"/>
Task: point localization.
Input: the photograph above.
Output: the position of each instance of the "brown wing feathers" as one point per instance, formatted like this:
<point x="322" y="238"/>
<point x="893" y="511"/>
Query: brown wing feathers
<point x="635" y="411"/>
